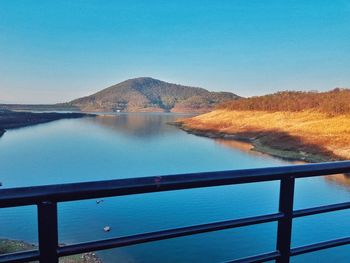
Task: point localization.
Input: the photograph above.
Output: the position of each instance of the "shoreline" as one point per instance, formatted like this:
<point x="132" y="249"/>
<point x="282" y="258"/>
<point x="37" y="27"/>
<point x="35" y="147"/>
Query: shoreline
<point x="260" y="144"/>
<point x="12" y="246"/>
<point x="307" y="135"/>
<point x="13" y="120"/>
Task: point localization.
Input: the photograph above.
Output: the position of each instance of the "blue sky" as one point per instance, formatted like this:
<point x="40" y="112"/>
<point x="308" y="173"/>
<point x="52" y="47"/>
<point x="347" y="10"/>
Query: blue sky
<point x="54" y="51"/>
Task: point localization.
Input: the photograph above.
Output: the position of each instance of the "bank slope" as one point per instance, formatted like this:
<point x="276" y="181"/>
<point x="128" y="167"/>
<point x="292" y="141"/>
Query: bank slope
<point x="285" y="128"/>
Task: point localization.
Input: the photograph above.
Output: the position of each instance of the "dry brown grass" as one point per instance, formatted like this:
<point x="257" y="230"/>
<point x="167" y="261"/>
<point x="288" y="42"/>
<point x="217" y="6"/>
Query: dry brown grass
<point x="311" y="128"/>
<point x="334" y="102"/>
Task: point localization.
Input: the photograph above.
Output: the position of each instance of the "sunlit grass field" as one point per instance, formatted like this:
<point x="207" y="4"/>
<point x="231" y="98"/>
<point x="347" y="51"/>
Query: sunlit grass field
<point x="311" y="127"/>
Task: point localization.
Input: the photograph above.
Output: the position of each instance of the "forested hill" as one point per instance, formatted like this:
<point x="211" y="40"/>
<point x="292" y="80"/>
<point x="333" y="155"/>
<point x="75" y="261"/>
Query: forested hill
<point x="334" y="102"/>
<point x="148" y="94"/>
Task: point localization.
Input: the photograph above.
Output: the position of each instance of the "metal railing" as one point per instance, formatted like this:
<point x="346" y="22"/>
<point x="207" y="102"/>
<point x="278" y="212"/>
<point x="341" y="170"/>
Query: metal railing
<point x="47" y="197"/>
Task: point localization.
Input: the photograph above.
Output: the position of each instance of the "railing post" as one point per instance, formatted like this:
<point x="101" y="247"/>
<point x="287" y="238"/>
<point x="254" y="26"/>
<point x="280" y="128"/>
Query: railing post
<point x="284" y="231"/>
<point x="48" y="232"/>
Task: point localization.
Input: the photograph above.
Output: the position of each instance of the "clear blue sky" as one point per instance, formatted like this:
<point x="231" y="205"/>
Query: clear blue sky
<point x="53" y="51"/>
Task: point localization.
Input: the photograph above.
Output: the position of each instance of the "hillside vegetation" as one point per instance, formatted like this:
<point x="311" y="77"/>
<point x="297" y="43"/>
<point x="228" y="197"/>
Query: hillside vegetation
<point x="294" y="125"/>
<point x="148" y="94"/>
<point x="334" y="102"/>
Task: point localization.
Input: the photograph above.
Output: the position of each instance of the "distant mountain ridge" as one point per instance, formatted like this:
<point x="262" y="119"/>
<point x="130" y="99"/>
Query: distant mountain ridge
<point x="152" y="95"/>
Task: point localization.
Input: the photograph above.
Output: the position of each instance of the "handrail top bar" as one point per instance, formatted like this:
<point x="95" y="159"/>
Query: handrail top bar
<point x="88" y="190"/>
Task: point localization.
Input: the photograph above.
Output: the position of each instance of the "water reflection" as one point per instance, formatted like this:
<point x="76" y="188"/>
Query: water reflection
<point x="133" y="145"/>
<point x="246" y="147"/>
<point x="340" y="179"/>
<point x="140" y="125"/>
<point x="242" y="146"/>
<point x="150" y="125"/>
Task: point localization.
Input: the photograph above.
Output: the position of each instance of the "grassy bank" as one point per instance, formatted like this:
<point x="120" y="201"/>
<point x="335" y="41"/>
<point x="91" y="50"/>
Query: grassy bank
<point x="11" y="246"/>
<point x="309" y="136"/>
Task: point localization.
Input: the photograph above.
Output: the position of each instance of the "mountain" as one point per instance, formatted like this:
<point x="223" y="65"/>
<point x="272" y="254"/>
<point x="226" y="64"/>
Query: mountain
<point x="148" y="94"/>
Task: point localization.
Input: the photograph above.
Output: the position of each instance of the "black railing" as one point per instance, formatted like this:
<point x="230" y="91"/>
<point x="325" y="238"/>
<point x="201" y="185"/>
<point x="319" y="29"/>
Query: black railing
<point x="47" y="197"/>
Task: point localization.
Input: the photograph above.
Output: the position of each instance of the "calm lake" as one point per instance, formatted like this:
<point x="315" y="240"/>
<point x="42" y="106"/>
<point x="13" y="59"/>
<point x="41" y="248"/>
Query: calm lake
<point x="137" y="145"/>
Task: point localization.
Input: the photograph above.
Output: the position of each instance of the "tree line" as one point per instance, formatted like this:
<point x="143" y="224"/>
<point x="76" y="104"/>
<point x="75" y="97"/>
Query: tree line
<point x="334" y="102"/>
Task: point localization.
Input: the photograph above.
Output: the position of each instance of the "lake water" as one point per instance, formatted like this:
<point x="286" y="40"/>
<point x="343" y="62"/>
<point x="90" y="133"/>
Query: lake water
<point x="136" y="145"/>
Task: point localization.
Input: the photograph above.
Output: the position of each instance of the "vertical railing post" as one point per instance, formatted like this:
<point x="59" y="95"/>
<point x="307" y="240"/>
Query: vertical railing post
<point x="284" y="231"/>
<point x="48" y="232"/>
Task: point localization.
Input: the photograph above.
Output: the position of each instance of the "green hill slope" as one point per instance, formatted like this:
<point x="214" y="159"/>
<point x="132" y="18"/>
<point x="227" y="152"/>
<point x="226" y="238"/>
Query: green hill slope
<point x="148" y="94"/>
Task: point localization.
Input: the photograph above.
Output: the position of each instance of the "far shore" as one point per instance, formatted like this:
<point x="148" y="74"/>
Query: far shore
<point x="12" y="119"/>
<point x="290" y="136"/>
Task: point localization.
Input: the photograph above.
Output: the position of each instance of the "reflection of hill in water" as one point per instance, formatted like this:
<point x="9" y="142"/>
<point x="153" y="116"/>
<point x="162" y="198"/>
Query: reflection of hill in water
<point x="138" y="124"/>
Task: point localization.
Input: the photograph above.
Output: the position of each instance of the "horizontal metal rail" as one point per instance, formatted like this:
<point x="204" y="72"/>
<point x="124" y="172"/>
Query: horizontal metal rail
<point x="258" y="258"/>
<point x="47" y="197"/>
<point x="165" y="234"/>
<point x="79" y="191"/>
<point x="320" y="209"/>
<point x="20" y="257"/>
<point x="320" y="246"/>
